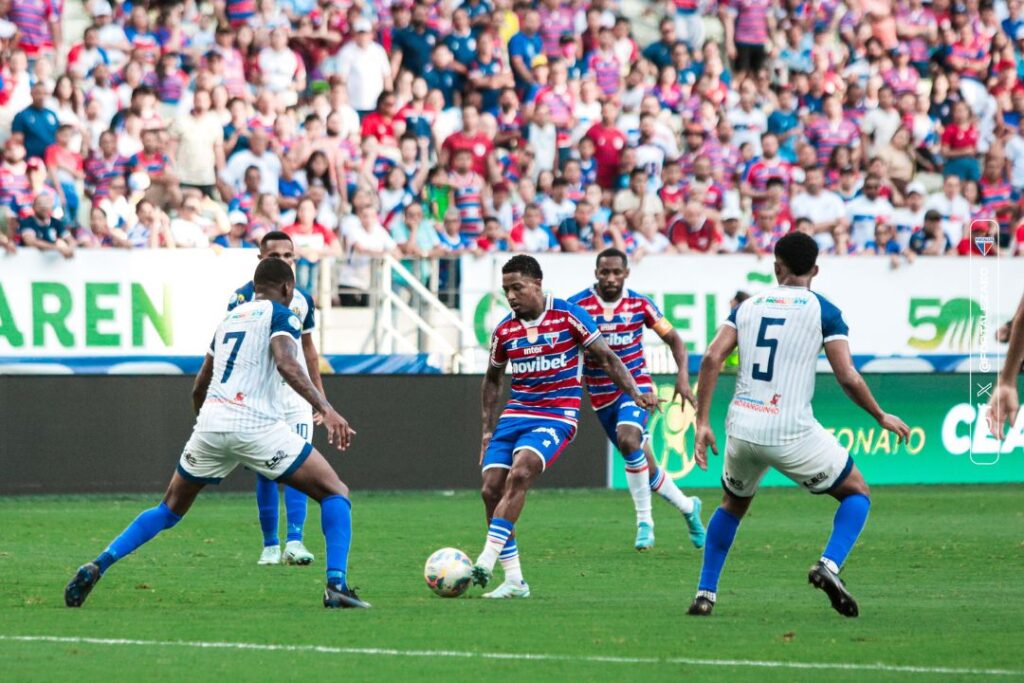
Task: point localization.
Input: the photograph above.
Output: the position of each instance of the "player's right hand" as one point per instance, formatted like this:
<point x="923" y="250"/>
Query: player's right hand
<point x="896" y="426"/>
<point x="704" y="437"/>
<point x="648" y="402"/>
<point x="1003" y="408"/>
<point x="485" y="441"/>
<point x="339" y="433"/>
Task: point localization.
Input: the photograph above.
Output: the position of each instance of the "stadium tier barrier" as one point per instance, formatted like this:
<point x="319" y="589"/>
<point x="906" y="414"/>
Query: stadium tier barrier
<point x="936" y="314"/>
<point x="82" y="434"/>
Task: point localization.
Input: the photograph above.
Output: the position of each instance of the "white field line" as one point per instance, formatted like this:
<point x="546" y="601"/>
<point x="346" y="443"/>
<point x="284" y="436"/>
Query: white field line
<point x="524" y="656"/>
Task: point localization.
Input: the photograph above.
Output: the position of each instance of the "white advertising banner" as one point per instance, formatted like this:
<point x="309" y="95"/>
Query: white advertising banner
<point x="121" y="303"/>
<point x="936" y="310"/>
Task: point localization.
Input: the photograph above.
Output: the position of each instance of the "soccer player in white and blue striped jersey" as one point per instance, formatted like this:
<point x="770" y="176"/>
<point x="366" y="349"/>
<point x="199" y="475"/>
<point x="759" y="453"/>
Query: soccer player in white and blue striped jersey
<point x="297" y="413"/>
<point x="238" y="396"/>
<point x="770" y="423"/>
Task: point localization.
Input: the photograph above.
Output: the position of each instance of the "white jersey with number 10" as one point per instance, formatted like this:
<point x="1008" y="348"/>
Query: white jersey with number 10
<point x="779" y="334"/>
<point x="246" y="393"/>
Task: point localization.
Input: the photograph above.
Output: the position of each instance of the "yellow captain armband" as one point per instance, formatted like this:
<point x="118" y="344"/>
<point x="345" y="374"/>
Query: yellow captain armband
<point x="662" y="327"/>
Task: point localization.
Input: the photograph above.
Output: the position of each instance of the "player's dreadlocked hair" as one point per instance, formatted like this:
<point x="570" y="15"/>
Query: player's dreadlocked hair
<point x="272" y="272"/>
<point x="273" y="236"/>
<point x="612" y="252"/>
<point x="525" y="265"/>
<point x="798" y="252"/>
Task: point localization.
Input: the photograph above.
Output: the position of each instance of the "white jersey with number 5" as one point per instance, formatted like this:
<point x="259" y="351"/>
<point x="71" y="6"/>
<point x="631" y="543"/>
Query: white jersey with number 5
<point x="779" y="334"/>
<point x="246" y="393"/>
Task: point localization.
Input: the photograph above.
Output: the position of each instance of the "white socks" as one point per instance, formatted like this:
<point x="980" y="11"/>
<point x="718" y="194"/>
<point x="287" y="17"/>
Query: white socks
<point x="509" y="558"/>
<point x="638" y="480"/>
<point x="663" y="485"/>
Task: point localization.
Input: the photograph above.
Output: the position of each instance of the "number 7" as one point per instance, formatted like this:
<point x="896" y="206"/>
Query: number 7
<point x="237" y="338"/>
<point x="772" y="345"/>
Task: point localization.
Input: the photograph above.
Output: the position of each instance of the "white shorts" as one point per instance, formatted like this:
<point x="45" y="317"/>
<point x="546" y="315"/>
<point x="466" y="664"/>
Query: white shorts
<point x="301" y="423"/>
<point x="275" y="453"/>
<point x="816" y="462"/>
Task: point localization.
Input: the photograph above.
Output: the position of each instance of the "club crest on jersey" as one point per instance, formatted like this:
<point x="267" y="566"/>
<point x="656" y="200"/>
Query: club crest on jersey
<point x="552" y="338"/>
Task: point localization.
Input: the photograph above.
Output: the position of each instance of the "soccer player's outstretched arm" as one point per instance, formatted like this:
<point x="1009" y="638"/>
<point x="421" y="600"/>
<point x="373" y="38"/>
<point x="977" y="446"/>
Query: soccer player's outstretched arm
<point x="202" y="384"/>
<point x="612" y="365"/>
<point x="721" y="347"/>
<point x="338" y="431"/>
<point x="838" y="353"/>
<point x="490" y="392"/>
<point x="1005" y="402"/>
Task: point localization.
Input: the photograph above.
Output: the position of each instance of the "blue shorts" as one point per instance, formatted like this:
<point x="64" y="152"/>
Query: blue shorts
<point x="546" y="438"/>
<point x="624" y="411"/>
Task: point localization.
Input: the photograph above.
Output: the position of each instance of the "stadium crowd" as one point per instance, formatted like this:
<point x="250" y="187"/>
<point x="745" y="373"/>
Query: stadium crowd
<point x="437" y="128"/>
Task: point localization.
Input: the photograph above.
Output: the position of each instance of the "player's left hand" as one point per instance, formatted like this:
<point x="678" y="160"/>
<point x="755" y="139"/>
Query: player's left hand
<point x="704" y="438"/>
<point x="318" y="419"/>
<point x="684" y="394"/>
<point x="648" y="402"/>
<point x="339" y="433"/>
<point x="1003" y="408"/>
<point x="896" y="426"/>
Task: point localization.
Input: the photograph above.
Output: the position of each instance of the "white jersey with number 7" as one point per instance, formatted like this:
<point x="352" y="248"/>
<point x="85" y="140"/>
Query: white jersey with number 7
<point x="779" y="333"/>
<point x="246" y="393"/>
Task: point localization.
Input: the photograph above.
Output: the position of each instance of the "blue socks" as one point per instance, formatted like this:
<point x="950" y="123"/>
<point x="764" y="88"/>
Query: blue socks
<point x="267" y="501"/>
<point x="142" y="530"/>
<point x="295" y="508"/>
<point x="721" y="532"/>
<point x="336" y="522"/>
<point x="846" y="527"/>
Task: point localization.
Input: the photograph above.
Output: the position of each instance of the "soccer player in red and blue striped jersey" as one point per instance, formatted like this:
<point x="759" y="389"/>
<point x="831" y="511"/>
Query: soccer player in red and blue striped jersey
<point x="622" y="316"/>
<point x="542" y="339"/>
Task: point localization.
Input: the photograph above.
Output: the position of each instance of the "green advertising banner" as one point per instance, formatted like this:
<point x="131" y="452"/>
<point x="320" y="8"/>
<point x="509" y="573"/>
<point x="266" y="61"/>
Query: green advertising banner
<point x="949" y="441"/>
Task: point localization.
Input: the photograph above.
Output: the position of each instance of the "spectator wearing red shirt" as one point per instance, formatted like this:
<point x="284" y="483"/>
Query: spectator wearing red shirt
<point x="768" y="167"/>
<point x="960" y="145"/>
<point x="692" y="230"/>
<point x="66" y="168"/>
<point x="609" y="141"/>
<point x="472" y="139"/>
<point x="312" y="243"/>
<point x="380" y="123"/>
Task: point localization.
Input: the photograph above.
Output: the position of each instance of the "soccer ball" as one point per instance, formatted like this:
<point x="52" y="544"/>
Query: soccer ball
<point x="448" y="572"/>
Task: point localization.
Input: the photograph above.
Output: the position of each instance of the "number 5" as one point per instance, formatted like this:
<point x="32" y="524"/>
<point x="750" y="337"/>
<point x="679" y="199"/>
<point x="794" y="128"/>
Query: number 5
<point x="765" y="374"/>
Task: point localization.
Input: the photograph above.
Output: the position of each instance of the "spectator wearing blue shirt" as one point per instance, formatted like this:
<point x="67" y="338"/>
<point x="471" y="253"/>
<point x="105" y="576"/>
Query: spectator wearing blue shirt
<point x="462" y="41"/>
<point x="660" y="53"/>
<point x="523" y="48"/>
<point x="238" y="236"/>
<point x="44" y="232"/>
<point x="411" y="46"/>
<point x="785" y="124"/>
<point x="37" y="124"/>
<point x="576" y="233"/>
<point x="440" y="75"/>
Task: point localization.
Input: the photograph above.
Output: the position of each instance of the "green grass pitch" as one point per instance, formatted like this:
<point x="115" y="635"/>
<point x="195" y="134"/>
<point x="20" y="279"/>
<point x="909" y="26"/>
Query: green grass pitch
<point x="937" y="574"/>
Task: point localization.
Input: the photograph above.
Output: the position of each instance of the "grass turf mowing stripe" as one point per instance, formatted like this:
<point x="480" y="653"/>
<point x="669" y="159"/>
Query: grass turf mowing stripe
<point x="457" y="654"/>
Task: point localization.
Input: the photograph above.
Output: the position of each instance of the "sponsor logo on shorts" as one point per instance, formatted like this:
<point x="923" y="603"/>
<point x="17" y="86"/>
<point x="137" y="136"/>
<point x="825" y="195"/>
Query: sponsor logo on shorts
<point x="276" y="460"/>
<point x="550" y="432"/>
<point x="816" y="479"/>
<point x="733" y="482"/>
<point x="190" y="459"/>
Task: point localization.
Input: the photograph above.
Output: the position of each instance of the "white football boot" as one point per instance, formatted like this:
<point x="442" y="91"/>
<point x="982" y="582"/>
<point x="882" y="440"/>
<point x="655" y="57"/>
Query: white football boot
<point x="271" y="555"/>
<point x="296" y="553"/>
<point x="510" y="590"/>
